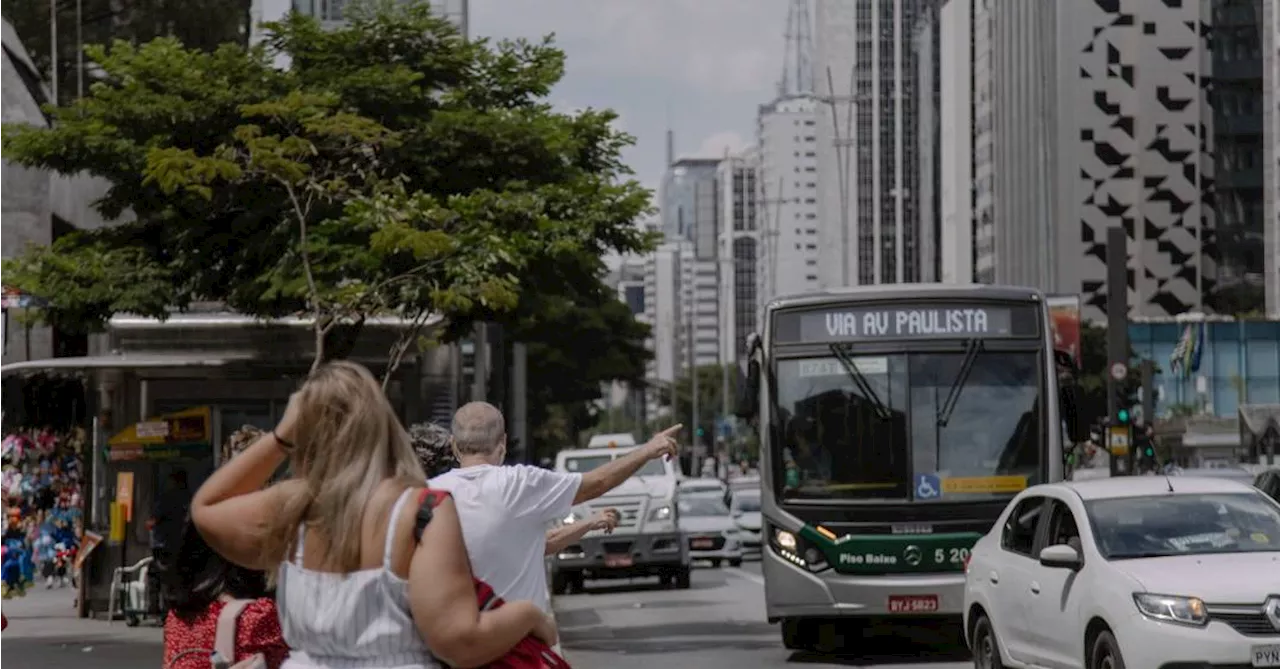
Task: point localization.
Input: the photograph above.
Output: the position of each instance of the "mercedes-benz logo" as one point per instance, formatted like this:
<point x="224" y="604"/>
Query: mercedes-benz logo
<point x="912" y="555"/>
<point x="1272" y="611"/>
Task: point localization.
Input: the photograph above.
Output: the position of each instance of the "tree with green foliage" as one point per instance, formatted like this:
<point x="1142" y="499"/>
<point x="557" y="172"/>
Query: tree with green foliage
<point x="350" y="185"/>
<point x="1093" y="374"/>
<point x="711" y="391"/>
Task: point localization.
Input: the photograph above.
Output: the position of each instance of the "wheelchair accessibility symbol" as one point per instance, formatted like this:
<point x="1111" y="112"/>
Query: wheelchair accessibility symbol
<point x="928" y="486"/>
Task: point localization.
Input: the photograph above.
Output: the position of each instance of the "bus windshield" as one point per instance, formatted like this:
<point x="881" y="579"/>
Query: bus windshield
<point x="880" y="427"/>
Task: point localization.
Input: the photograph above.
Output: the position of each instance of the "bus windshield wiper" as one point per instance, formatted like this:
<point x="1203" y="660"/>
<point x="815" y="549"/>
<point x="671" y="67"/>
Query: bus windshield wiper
<point x="841" y="352"/>
<point x="971" y="349"/>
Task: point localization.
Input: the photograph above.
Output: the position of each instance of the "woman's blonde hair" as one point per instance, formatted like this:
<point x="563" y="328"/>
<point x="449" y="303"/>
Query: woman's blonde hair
<point x="348" y="441"/>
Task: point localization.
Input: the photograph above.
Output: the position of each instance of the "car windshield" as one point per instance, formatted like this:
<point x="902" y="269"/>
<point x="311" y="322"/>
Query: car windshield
<point x="1165" y="525"/>
<point x="652" y="468"/>
<point x="584" y="463"/>
<point x="881" y="427"/>
<point x="703" y="506"/>
<point x="746" y="503"/>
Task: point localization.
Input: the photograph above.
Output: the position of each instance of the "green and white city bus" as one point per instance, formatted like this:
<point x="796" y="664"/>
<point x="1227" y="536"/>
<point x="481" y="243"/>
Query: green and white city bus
<point x="895" y="424"/>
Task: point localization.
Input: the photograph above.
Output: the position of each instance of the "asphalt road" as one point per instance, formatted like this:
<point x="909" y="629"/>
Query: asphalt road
<point x="716" y="624"/>
<point x="719" y="623"/>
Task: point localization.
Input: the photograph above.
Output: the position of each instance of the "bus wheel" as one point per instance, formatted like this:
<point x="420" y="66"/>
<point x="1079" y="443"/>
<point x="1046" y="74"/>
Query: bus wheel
<point x="682" y="578"/>
<point x="798" y="633"/>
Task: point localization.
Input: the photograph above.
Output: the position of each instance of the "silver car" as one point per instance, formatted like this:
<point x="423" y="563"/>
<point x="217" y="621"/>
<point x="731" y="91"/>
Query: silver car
<point x="709" y="529"/>
<point x="745" y="511"/>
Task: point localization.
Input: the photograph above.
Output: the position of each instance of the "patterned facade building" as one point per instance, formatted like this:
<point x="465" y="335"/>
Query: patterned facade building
<point x="1143" y="140"/>
<point x="1098" y="117"/>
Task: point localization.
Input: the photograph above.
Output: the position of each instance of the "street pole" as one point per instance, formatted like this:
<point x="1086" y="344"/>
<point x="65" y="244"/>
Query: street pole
<point x="693" y="385"/>
<point x="1118" y="349"/>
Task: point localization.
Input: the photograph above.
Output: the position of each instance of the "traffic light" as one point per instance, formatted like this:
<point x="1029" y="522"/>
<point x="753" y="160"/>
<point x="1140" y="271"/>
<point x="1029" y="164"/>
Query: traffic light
<point x="701" y="432"/>
<point x="1122" y="416"/>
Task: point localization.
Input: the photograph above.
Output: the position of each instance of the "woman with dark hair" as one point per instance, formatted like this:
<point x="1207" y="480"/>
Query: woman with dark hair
<point x="196" y="590"/>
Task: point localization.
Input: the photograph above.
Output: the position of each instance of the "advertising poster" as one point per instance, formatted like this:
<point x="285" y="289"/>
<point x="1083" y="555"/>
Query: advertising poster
<point x="1064" y="318"/>
<point x="185" y="433"/>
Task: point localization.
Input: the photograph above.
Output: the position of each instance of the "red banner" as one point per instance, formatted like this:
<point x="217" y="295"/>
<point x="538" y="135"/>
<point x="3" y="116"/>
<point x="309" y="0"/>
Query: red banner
<point x="1064" y="318"/>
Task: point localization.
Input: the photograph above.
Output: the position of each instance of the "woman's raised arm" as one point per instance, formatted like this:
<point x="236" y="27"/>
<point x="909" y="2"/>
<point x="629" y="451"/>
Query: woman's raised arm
<point x="231" y="509"/>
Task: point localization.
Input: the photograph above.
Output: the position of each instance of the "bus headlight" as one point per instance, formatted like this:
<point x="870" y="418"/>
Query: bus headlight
<point x="796" y="550"/>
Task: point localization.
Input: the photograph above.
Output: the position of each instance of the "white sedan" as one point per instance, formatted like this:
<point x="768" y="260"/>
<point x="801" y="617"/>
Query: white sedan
<point x="1135" y="572"/>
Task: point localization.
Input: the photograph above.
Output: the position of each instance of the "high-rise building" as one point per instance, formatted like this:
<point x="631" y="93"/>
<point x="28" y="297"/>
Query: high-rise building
<point x="927" y="42"/>
<point x="739" y="251"/>
<point x="788" y="197"/>
<point x="955" y="142"/>
<point x="1235" y="282"/>
<point x="1271" y="148"/>
<point x="1096" y="117"/>
<point x="787" y="183"/>
<point x="690" y="205"/>
<point x="865" y="76"/>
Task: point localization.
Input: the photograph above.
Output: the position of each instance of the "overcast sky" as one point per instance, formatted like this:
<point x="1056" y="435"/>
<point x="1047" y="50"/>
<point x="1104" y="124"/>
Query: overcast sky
<point x="701" y="66"/>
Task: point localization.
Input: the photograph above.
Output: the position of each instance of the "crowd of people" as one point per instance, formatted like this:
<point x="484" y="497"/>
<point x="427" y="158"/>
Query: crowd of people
<point x="42" y="493"/>
<point x="381" y="547"/>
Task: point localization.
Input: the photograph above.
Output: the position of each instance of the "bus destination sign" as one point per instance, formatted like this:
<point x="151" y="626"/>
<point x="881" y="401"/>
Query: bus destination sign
<point x="861" y="323"/>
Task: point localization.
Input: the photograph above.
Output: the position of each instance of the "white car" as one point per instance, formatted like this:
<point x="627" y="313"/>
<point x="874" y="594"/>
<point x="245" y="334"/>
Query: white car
<point x="745" y="510"/>
<point x="1135" y="571"/>
<point x="711" y="532"/>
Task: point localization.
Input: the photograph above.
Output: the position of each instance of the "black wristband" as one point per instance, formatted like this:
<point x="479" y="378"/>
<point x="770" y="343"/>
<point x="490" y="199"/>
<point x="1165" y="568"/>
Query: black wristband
<point x="285" y="445"/>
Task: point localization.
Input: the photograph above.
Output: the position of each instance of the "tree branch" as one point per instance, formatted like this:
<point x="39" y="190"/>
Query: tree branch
<point x="401" y="346"/>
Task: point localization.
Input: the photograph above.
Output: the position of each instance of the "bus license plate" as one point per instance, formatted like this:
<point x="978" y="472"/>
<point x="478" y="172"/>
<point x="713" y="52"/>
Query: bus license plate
<point x="913" y="603"/>
<point x="1266" y="656"/>
<point x="702" y="543"/>
<point x="617" y="561"/>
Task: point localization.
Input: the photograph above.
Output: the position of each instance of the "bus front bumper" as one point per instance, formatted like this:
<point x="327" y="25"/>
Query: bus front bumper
<point x="793" y="592"/>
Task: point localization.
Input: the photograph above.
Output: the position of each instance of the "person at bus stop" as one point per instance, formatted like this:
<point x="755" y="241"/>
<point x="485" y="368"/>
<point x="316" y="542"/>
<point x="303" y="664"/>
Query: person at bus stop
<point x="505" y="510"/>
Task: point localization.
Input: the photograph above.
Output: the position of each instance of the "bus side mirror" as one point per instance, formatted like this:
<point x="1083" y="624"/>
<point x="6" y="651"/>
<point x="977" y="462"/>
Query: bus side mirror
<point x="749" y="392"/>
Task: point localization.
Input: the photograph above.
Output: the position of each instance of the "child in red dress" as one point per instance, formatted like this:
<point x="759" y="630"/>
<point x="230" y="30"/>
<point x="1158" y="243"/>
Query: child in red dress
<point x="199" y="585"/>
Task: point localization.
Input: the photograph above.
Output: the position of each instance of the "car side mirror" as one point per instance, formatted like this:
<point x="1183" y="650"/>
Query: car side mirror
<point x="1061" y="556"/>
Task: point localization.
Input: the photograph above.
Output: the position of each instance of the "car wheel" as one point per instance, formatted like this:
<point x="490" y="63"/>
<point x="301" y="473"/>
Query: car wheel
<point x="1106" y="652"/>
<point x="578" y="583"/>
<point x="683" y="578"/>
<point x="736" y="562"/>
<point x="986" y="648"/>
<point x="559" y="583"/>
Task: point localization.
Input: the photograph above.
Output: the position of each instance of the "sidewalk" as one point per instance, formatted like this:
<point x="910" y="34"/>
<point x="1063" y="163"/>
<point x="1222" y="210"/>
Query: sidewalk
<point x="44" y="633"/>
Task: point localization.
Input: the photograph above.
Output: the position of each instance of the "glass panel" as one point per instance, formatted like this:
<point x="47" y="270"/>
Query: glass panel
<point x="1165" y="525"/>
<point x="843" y="428"/>
<point x="989" y="444"/>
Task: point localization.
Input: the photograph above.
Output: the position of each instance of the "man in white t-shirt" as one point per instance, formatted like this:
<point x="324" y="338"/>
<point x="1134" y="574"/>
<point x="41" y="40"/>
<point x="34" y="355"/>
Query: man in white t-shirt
<point x="505" y="509"/>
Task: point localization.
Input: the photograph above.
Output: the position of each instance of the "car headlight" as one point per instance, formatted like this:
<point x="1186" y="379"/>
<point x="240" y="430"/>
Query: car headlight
<point x="575" y="516"/>
<point x="661" y="513"/>
<point x="1172" y="608"/>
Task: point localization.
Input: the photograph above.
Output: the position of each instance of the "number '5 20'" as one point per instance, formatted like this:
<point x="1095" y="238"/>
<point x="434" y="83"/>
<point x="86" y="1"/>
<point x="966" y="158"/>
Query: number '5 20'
<point x="952" y="555"/>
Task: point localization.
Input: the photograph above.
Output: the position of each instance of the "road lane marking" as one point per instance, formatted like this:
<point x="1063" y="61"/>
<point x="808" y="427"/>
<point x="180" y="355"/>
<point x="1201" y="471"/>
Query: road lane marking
<point x="742" y="573"/>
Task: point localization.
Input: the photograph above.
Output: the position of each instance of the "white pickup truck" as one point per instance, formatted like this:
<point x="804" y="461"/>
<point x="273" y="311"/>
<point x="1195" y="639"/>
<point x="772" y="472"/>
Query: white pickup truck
<point x="647" y="541"/>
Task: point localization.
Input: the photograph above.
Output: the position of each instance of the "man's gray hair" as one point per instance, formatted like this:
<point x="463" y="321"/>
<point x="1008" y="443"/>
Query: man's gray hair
<point x="478" y="428"/>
